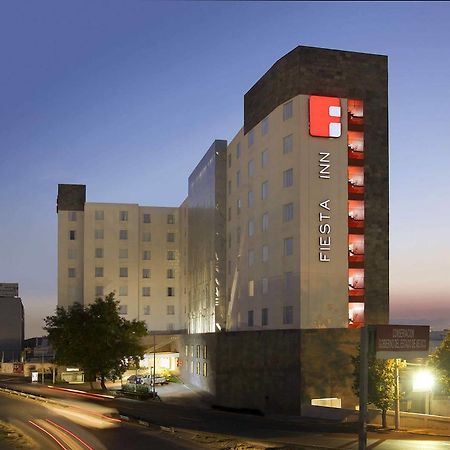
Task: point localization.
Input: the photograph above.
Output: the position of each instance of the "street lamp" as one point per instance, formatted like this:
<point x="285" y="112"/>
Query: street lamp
<point x="423" y="381"/>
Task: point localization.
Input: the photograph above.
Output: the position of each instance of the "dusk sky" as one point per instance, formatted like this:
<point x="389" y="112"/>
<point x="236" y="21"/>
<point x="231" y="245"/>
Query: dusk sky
<point x="126" y="97"/>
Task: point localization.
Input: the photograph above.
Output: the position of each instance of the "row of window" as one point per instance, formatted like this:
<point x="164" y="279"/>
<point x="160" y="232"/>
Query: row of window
<point x="123" y="309"/>
<point x="200" y="350"/>
<point x="123" y="235"/>
<point x="288" y="316"/>
<point x="288" y="180"/>
<point x="205" y="368"/>
<point x="123" y="217"/>
<point x="264" y="284"/>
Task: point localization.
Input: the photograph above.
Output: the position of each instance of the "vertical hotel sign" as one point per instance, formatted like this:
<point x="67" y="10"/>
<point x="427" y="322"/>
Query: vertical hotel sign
<point x="325" y="121"/>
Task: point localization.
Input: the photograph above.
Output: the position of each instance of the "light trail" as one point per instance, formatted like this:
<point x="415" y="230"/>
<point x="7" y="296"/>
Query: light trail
<point x="82" y="393"/>
<point x="69" y="432"/>
<point x="49" y="434"/>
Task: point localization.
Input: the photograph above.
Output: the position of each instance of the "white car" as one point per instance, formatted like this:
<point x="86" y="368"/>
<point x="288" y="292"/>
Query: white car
<point x="159" y="379"/>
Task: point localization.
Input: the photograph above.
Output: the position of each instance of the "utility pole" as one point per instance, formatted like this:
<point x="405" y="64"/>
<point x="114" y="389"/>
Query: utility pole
<point x="397" y="395"/>
<point x="154" y="364"/>
<point x="363" y="388"/>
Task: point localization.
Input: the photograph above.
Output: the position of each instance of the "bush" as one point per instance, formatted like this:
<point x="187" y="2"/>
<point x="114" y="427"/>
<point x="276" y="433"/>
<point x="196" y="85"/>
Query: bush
<point x="135" y="388"/>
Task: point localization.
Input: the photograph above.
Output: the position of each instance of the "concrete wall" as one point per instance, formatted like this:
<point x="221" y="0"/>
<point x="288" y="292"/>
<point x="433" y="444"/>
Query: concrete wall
<point x="11" y="328"/>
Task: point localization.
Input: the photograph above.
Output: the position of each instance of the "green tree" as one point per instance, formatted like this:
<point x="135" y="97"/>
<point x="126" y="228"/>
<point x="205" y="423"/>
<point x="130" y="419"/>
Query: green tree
<point x="381" y="383"/>
<point x="440" y="360"/>
<point x="96" y="338"/>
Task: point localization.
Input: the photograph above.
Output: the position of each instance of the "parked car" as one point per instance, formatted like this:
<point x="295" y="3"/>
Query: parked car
<point x="134" y="379"/>
<point x="159" y="379"/>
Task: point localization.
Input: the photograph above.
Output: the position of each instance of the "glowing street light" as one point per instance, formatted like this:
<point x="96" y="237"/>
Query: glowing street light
<point x="423" y="381"/>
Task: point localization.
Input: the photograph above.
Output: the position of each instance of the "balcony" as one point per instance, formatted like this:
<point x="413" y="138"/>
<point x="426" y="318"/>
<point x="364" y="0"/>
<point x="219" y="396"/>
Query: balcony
<point x="355" y="260"/>
<point x="355" y="225"/>
<point x="355" y="114"/>
<point x="355" y="191"/>
<point x="355" y="157"/>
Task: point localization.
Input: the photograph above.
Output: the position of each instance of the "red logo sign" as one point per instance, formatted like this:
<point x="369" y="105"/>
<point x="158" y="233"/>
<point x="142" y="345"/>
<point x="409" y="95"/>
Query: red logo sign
<point x="324" y="116"/>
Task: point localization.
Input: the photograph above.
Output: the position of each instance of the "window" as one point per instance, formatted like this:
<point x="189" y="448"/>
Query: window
<point x="264" y="190"/>
<point x="98" y="234"/>
<point x="192" y="366"/>
<point x="145" y="273"/>
<point x="146" y="236"/>
<point x="251" y="258"/>
<point x="250" y="138"/>
<point x="147" y="218"/>
<point x="186" y="350"/>
<point x="197" y="353"/>
<point x="198" y="367"/>
<point x="123" y="253"/>
<point x="171" y="255"/>
<point x="251" y="168"/>
<point x="123" y="235"/>
<point x="287" y="110"/>
<point x="123" y="216"/>
<point x="123" y="272"/>
<point x="238" y="206"/>
<point x="229" y="214"/>
<point x="265" y="126"/>
<point x="251" y="228"/>
<point x="250" y="199"/>
<point x="264" y="285"/>
<point x="170" y="219"/>
<point x="264" y="317"/>
<point x="170" y="237"/>
<point x="229" y="187"/>
<point x="72" y="253"/>
<point x="123" y="291"/>
<point x="250" y="318"/>
<point x="288" y="178"/>
<point x="72" y="216"/>
<point x="229" y="239"/>
<point x="265" y="222"/>
<point x="288" y="315"/>
<point x="265" y="253"/>
<point x="238" y="150"/>
<point x="205" y="369"/>
<point x="288" y="280"/>
<point x="99" y="291"/>
<point x="170" y="310"/>
<point x="229" y="267"/>
<point x="146" y="291"/>
<point x="146" y="310"/>
<point x="170" y="273"/>
<point x="288" y="247"/>
<point x="229" y="160"/>
<point x="123" y="309"/>
<point x="205" y="352"/>
<point x="146" y="255"/>
<point x="71" y="272"/>
<point x="288" y="144"/>
<point x="238" y="178"/>
<point x="72" y="235"/>
<point x="288" y="212"/>
<point x="99" y="253"/>
<point x="192" y="351"/>
<point x="251" y="288"/>
<point x="264" y="158"/>
<point x="238" y="235"/>
<point x="99" y="272"/>
<point x="170" y="292"/>
<point x="99" y="215"/>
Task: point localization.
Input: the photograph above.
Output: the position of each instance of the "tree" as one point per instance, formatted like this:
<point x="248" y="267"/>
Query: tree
<point x="381" y="383"/>
<point x="441" y="361"/>
<point x="96" y="338"/>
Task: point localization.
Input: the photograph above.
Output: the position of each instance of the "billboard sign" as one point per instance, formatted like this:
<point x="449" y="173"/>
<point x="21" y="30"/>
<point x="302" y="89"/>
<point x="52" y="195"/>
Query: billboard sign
<point x="325" y="116"/>
<point x="9" y="289"/>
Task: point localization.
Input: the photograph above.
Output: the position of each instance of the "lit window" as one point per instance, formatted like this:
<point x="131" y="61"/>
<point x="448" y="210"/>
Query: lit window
<point x="146" y="255"/>
<point x="288" y="315"/>
<point x="265" y="222"/>
<point x="287" y="110"/>
<point x="288" y="212"/>
<point x="146" y="291"/>
<point x="123" y="272"/>
<point x="146" y="236"/>
<point x="72" y="235"/>
<point x="205" y="369"/>
<point x="170" y="219"/>
<point x="251" y="228"/>
<point x="98" y="234"/>
<point x="288" y="144"/>
<point x="264" y="158"/>
<point x="251" y="168"/>
<point x="265" y="126"/>
<point x="265" y="253"/>
<point x="147" y="218"/>
<point x="72" y="253"/>
<point x="99" y="215"/>
<point x="250" y="199"/>
<point x="71" y="272"/>
<point x="123" y="235"/>
<point x="251" y="258"/>
<point x="250" y="138"/>
<point x="123" y="216"/>
<point x="146" y="310"/>
<point x="99" y="272"/>
<point x="170" y="310"/>
<point x="171" y="255"/>
<point x="145" y="273"/>
<point x="288" y="177"/>
<point x="170" y="273"/>
<point x="238" y="206"/>
<point x="288" y="247"/>
<point x="198" y="367"/>
<point x="192" y="366"/>
<point x="123" y="253"/>
<point x="123" y="309"/>
<point x="72" y="216"/>
<point x="99" y="291"/>
<point x="197" y="353"/>
<point x="123" y="291"/>
<point x="251" y="288"/>
<point x="264" y="190"/>
<point x="238" y="150"/>
<point x="170" y="237"/>
<point x="264" y="317"/>
<point x="170" y="292"/>
<point x="99" y="253"/>
<point x="264" y="285"/>
<point x="250" y="318"/>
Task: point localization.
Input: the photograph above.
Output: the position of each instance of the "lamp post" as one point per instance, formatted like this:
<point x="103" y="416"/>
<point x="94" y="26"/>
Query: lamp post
<point x="423" y="381"/>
